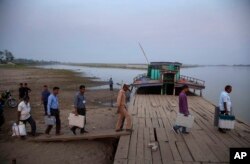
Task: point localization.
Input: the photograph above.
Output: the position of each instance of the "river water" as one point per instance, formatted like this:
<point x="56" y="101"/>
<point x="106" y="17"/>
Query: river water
<point x="216" y="78"/>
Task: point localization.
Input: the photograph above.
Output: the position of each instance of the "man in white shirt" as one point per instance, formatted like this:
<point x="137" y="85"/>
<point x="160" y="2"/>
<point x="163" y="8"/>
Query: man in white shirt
<point x="24" y="114"/>
<point x="225" y="103"/>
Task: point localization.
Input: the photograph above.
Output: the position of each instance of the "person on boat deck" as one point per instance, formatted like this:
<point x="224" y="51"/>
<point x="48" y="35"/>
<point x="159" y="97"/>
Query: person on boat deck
<point x="122" y="110"/>
<point x="80" y="108"/>
<point x="183" y="108"/>
<point x="24" y="114"/>
<point x="225" y="103"/>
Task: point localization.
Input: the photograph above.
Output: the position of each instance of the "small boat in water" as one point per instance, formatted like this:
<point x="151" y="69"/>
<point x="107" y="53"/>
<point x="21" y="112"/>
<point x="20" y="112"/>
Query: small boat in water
<point x="165" y="78"/>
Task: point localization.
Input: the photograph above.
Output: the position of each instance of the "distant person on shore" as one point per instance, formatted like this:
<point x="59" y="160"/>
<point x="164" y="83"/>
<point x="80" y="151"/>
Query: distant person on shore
<point x="122" y="110"/>
<point x="183" y="108"/>
<point x="2" y="119"/>
<point x="21" y="91"/>
<point x="80" y="108"/>
<point x="53" y="110"/>
<point x="44" y="98"/>
<point x="225" y="103"/>
<point x="27" y="90"/>
<point x="24" y="115"/>
<point x="111" y="84"/>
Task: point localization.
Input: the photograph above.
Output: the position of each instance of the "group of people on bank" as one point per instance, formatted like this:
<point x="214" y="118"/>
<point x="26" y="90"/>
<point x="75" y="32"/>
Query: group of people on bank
<point x="51" y="108"/>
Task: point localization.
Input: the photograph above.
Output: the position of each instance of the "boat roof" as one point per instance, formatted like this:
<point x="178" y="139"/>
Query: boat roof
<point x="165" y="63"/>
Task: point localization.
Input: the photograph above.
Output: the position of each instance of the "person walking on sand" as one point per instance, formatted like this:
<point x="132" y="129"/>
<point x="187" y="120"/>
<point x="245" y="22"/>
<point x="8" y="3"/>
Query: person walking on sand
<point x="53" y="110"/>
<point x="44" y="98"/>
<point x="183" y="108"/>
<point x="80" y="108"/>
<point x="122" y="110"/>
<point x="21" y="91"/>
<point x="27" y="90"/>
<point x="111" y="84"/>
<point x="24" y="115"/>
<point x="225" y="103"/>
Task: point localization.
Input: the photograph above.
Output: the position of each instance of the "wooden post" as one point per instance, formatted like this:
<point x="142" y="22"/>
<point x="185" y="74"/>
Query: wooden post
<point x="201" y="93"/>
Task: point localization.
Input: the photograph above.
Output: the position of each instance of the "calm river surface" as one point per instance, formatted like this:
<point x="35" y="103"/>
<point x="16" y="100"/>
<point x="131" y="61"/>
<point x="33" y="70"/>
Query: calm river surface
<point x="216" y="78"/>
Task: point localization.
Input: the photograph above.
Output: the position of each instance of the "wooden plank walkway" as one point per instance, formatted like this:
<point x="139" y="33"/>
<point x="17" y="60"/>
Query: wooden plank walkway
<point x="86" y="136"/>
<point x="153" y="117"/>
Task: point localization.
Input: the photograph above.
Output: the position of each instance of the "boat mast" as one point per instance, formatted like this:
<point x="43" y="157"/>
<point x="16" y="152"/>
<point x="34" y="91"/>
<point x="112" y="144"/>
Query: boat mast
<point x="144" y="53"/>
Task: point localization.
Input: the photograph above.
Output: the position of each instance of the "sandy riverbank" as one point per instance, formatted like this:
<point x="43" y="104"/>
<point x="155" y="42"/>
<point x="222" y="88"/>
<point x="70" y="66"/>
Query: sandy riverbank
<point x="98" y="117"/>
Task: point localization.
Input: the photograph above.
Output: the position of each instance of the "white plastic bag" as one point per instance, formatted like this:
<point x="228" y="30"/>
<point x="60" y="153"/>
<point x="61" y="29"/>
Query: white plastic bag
<point x="15" y="130"/>
<point x="22" y="129"/>
<point x="186" y="121"/>
<point x="19" y="130"/>
<point x="76" y="120"/>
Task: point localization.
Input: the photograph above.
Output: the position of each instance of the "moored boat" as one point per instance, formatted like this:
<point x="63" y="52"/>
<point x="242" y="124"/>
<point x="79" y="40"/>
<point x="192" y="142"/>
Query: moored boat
<point x="165" y="78"/>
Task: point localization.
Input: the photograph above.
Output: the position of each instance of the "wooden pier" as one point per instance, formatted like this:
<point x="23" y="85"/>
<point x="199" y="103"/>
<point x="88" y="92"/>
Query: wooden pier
<point x="111" y="133"/>
<point x="153" y="118"/>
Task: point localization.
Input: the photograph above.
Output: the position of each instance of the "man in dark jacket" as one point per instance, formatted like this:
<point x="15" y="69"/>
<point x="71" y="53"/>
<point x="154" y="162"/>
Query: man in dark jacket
<point x="21" y="91"/>
<point x="80" y="108"/>
<point x="44" y="98"/>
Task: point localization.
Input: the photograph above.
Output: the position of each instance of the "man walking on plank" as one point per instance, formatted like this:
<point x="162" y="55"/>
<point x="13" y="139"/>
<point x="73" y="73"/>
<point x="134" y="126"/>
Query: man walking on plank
<point x="80" y="109"/>
<point x="225" y="103"/>
<point x="183" y="108"/>
<point x="53" y="110"/>
<point x="122" y="110"/>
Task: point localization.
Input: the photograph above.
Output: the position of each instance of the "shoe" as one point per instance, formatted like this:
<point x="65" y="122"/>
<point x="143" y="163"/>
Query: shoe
<point x="84" y="131"/>
<point x="129" y="130"/>
<point x="118" y="130"/>
<point x="175" y="130"/>
<point x="73" y="130"/>
<point x="185" y="132"/>
<point x="59" y="134"/>
<point x="222" y="130"/>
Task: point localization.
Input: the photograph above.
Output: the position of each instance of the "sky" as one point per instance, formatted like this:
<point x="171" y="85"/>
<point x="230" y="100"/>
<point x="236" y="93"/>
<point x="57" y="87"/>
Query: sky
<point x="108" y="31"/>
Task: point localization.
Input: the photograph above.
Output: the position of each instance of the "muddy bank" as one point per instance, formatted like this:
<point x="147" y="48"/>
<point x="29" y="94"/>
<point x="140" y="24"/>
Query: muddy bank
<point x="99" y="117"/>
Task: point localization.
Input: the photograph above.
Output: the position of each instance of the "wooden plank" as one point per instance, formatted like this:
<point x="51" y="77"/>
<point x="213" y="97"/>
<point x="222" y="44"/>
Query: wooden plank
<point x="149" y="123"/>
<point x="195" y="150"/>
<point x="142" y="122"/>
<point x="133" y="144"/>
<point x="120" y="161"/>
<point x="160" y="123"/>
<point x="222" y="153"/>
<point x="147" y="151"/>
<point x="155" y="123"/>
<point x="204" y="147"/>
<point x="123" y="147"/>
<point x="131" y="161"/>
<point x="161" y="134"/>
<point x="184" y="152"/>
<point x="151" y="134"/>
<point x="140" y="147"/>
<point x="166" y="154"/>
<point x="86" y="136"/>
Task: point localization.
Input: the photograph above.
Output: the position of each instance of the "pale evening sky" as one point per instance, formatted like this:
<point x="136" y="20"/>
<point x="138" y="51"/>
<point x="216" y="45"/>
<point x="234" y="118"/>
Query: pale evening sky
<point x="108" y="31"/>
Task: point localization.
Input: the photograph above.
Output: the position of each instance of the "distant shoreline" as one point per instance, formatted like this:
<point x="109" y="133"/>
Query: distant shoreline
<point x="141" y="66"/>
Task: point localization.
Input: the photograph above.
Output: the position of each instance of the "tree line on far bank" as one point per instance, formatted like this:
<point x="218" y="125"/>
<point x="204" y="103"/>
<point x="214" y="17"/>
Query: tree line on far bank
<point x="6" y="57"/>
